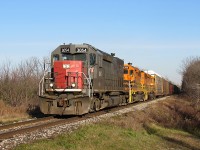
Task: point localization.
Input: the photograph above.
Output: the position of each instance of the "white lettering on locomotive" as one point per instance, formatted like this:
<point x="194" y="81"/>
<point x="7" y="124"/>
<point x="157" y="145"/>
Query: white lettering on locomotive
<point x="81" y="50"/>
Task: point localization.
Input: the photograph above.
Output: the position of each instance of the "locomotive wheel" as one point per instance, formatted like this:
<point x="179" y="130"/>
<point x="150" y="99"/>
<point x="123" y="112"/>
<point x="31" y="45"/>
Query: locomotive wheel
<point x="143" y="97"/>
<point x="96" y="105"/>
<point x="152" y="96"/>
<point x="138" y="97"/>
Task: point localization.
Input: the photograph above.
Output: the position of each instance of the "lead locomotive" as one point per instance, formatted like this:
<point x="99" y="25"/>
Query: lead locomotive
<point x="81" y="79"/>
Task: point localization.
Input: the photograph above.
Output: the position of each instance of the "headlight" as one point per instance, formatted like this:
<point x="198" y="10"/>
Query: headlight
<point x="66" y="66"/>
<point x="73" y="85"/>
<point x="51" y="84"/>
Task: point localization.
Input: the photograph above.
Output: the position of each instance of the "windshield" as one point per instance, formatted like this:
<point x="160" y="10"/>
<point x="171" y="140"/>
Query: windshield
<point x="67" y="56"/>
<point x="125" y="71"/>
<point x="77" y="56"/>
<point x="80" y="56"/>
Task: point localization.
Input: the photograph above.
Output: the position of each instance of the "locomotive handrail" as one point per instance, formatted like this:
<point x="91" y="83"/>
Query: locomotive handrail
<point x="130" y="91"/>
<point x="89" y="82"/>
<point x="89" y="74"/>
<point x="41" y="84"/>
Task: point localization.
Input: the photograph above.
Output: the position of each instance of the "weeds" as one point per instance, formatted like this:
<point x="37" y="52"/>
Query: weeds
<point x="10" y="114"/>
<point x="176" y="113"/>
<point x="173" y="113"/>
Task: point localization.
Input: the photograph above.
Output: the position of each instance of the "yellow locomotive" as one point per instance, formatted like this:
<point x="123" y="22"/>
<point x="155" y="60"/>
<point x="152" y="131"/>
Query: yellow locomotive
<point x="138" y="84"/>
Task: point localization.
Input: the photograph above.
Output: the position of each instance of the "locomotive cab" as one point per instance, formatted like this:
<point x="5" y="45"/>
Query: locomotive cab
<point x="69" y="69"/>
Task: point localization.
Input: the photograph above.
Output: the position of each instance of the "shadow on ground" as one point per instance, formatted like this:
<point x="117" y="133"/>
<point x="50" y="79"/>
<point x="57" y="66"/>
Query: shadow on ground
<point x="181" y="138"/>
<point x="34" y="111"/>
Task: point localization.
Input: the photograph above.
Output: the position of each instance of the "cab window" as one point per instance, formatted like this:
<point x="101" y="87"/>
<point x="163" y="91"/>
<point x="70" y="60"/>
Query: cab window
<point x="131" y="72"/>
<point x="92" y="59"/>
<point x="67" y="56"/>
<point x="80" y="56"/>
<point x="55" y="57"/>
<point x="125" y="71"/>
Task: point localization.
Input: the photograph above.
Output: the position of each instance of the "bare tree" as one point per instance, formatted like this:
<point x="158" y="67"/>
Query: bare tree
<point x="190" y="71"/>
<point x="19" y="84"/>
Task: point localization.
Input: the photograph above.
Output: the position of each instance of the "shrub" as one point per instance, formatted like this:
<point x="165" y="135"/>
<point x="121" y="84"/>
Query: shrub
<point x="191" y="77"/>
<point x="19" y="83"/>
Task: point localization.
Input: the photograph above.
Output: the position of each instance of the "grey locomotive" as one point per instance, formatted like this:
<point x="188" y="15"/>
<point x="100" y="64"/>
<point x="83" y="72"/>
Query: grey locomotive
<point x="81" y="79"/>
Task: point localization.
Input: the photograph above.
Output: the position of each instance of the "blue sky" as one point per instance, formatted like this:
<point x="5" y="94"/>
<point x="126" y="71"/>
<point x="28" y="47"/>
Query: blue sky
<point x="152" y="34"/>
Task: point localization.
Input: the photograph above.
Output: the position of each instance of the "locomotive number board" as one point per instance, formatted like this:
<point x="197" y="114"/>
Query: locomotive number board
<point x="81" y="50"/>
<point x="65" y="50"/>
<point x="78" y="50"/>
<point x="126" y="67"/>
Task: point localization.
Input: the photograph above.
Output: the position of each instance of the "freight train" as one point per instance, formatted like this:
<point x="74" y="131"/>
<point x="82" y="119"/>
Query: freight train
<point x="83" y="79"/>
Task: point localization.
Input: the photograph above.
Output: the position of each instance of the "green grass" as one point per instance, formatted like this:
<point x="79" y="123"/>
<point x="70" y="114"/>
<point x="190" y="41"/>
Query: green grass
<point x="102" y="137"/>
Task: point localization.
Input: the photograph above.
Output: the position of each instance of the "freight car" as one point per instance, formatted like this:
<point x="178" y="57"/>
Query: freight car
<point x="158" y="83"/>
<point x="163" y="87"/>
<point x="81" y="79"/>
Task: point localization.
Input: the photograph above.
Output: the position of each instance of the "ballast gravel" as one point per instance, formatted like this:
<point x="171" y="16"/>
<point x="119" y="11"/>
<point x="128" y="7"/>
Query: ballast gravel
<point x="66" y="128"/>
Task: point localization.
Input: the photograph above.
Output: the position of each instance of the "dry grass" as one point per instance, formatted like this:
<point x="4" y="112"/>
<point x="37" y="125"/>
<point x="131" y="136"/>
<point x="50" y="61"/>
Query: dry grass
<point x="168" y="120"/>
<point x="10" y="114"/>
<point x="174" y="136"/>
<point x="176" y="113"/>
<point x="134" y="120"/>
<point x="171" y="113"/>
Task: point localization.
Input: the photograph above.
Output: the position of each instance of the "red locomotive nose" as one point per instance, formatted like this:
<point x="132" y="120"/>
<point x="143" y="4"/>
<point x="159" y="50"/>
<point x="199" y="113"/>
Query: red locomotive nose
<point x="68" y="74"/>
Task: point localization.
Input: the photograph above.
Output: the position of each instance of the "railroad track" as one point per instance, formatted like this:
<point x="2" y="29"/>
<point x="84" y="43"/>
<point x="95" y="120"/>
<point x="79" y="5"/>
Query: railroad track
<point x="8" y="131"/>
<point x="11" y="130"/>
<point x="18" y="124"/>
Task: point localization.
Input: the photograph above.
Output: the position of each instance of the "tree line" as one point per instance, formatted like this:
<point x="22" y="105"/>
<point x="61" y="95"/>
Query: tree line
<point x="19" y="83"/>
